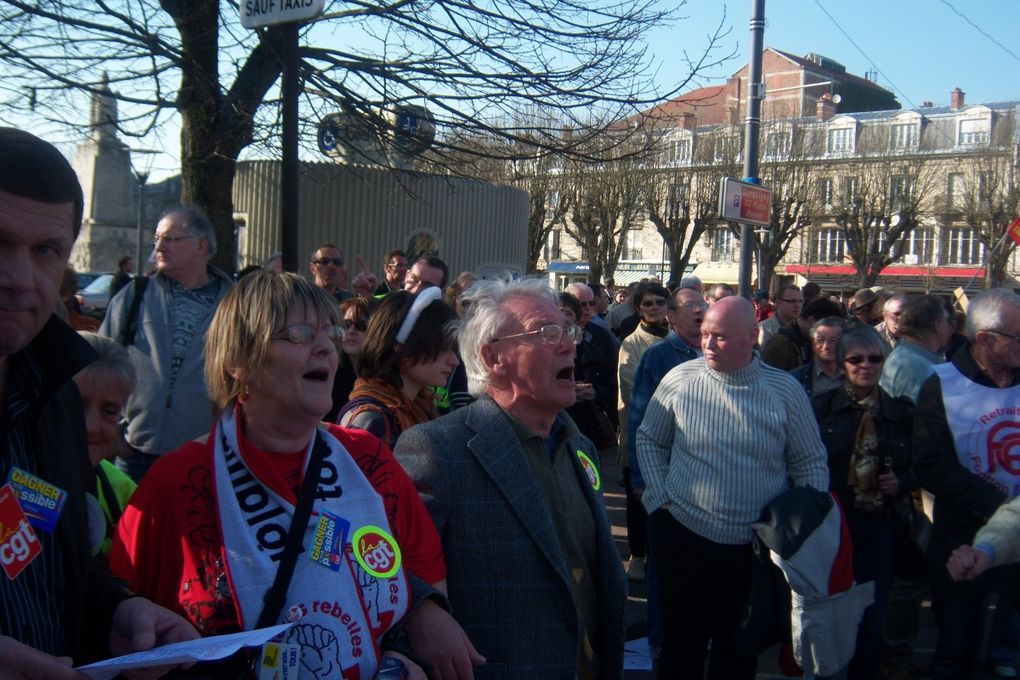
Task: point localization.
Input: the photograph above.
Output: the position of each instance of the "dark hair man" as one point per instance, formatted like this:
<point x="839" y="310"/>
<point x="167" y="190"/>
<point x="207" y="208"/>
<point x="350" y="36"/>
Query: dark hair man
<point x="125" y="268"/>
<point x="394" y="271"/>
<point x="791" y="346"/>
<point x="427" y="271"/>
<point x="789" y="302"/>
<point x="923" y="329"/>
<point x="55" y="601"/>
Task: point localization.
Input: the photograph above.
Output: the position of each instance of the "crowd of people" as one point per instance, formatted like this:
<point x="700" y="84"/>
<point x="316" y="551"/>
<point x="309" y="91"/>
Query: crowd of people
<point x="408" y="470"/>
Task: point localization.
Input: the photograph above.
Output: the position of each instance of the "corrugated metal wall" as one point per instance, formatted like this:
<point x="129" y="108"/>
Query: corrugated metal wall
<point x="368" y="211"/>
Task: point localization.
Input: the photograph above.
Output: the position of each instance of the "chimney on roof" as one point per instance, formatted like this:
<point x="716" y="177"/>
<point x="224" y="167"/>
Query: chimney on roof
<point x="926" y="104"/>
<point x="956" y="99"/>
<point x="686" y="120"/>
<point x="825" y="108"/>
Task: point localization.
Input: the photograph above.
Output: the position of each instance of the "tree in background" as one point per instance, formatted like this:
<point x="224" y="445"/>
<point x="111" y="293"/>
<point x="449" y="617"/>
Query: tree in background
<point x="469" y="64"/>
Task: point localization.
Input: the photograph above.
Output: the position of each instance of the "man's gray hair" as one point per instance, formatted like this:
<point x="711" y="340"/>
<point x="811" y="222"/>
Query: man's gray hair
<point x="488" y="315"/>
<point x="887" y="305"/>
<point x="198" y="222"/>
<point x="985" y="310"/>
<point x="693" y="282"/>
<point x="828" y="322"/>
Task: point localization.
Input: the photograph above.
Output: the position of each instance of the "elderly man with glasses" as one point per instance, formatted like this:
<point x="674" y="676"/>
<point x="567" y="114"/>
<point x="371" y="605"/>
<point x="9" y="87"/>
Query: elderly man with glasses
<point x="534" y="578"/>
<point x="162" y="320"/>
<point x="965" y="453"/>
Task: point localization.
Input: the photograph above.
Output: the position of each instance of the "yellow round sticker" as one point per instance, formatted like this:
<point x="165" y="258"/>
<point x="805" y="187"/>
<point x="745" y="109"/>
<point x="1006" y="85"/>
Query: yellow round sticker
<point x="590" y="470"/>
<point x="376" y="551"/>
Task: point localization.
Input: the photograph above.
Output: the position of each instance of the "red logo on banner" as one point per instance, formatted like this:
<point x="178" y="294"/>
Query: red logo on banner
<point x="18" y="542"/>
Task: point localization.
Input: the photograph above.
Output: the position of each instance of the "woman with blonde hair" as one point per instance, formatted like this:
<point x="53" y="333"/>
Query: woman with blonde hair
<point x="276" y="517"/>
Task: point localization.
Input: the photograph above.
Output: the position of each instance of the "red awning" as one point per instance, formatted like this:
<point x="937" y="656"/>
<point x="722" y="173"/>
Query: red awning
<point x="892" y="270"/>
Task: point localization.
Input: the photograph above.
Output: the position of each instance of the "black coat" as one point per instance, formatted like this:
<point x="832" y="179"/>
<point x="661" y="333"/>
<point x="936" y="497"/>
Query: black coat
<point x="838" y="421"/>
<point x="61" y="458"/>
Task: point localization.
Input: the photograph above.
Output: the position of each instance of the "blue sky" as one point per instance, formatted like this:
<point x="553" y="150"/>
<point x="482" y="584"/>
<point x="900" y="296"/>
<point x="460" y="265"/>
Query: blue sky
<point x="921" y="48"/>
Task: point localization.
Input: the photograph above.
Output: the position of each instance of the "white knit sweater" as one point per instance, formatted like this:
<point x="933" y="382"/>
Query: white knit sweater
<point x="717" y="447"/>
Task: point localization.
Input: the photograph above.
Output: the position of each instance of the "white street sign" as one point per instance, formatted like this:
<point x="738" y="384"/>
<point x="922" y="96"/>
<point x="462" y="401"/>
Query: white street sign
<point x="260" y="13"/>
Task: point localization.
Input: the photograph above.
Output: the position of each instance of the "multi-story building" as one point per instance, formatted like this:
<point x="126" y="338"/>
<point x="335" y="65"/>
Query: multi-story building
<point x="864" y="192"/>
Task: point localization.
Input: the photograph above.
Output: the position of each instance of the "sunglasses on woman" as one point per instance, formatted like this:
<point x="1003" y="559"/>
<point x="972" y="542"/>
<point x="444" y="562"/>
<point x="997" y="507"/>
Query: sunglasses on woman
<point x="356" y="325"/>
<point x="860" y="359"/>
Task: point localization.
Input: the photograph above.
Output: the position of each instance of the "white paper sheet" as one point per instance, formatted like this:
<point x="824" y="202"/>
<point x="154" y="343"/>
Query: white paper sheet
<point x="205" y="649"/>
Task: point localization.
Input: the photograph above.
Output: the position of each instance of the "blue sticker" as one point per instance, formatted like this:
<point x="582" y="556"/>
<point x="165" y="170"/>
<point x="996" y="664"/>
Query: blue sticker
<point x="41" y="501"/>
<point x="329" y="540"/>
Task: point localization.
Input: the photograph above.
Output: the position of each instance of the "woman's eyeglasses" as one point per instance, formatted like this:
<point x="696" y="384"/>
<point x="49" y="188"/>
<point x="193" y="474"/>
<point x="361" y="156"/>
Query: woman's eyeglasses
<point x="304" y="334"/>
<point x="860" y="359"/>
<point x="657" y="302"/>
<point x="356" y="325"/>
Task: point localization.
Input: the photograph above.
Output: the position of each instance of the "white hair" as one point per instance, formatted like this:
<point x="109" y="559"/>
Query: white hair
<point x="488" y="315"/>
<point x="985" y="311"/>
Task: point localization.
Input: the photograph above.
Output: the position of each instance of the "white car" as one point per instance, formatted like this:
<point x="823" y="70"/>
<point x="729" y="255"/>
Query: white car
<point x="96" y="296"/>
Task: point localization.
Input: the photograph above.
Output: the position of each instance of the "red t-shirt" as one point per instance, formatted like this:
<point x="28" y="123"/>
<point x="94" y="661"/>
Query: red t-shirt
<point x="169" y="545"/>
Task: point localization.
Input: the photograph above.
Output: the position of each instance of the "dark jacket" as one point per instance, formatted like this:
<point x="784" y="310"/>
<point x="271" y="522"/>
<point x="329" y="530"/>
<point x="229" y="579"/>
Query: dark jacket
<point x="508" y="579"/>
<point x="788" y="349"/>
<point x="60" y="444"/>
<point x="838" y="421"/>
<point x="595" y="363"/>
<point x="963" y="501"/>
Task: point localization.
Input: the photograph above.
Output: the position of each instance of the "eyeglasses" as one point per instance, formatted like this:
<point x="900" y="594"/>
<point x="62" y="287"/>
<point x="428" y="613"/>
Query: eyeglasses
<point x="551" y="334"/>
<point x="692" y="306"/>
<point x="858" y="359"/>
<point x="329" y="260"/>
<point x="304" y="334"/>
<point x="169" y="240"/>
<point x="1005" y="335"/>
<point x="356" y="325"/>
<point x="657" y="302"/>
<point x="826" y="341"/>
<point x="412" y="281"/>
<point x="397" y="265"/>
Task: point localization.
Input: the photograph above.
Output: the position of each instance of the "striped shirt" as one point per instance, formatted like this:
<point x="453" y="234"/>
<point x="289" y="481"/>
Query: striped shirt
<point x="30" y="605"/>
<point x="717" y="447"/>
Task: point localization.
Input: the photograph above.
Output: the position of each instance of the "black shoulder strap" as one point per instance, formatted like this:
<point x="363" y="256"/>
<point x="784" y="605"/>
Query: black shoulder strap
<point x="131" y="325"/>
<point x="277" y="593"/>
<point x="112" y="504"/>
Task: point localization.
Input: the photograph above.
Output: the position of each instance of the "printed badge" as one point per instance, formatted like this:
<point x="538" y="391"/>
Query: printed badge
<point x="279" y="661"/>
<point x="329" y="540"/>
<point x="376" y="551"/>
<point x="590" y="470"/>
<point x="40" y="500"/>
<point x="18" y="543"/>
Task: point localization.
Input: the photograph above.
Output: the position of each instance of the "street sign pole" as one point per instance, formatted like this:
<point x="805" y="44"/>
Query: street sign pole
<point x="290" y="169"/>
<point x="288" y="16"/>
<point x="754" y="96"/>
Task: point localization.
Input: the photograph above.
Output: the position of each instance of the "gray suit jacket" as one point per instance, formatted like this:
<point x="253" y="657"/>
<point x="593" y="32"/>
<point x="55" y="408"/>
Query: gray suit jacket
<point x="507" y="576"/>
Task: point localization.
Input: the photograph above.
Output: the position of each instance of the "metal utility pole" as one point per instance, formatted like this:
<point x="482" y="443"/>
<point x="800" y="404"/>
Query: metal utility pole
<point x="142" y="178"/>
<point x="290" y="168"/>
<point x="755" y="93"/>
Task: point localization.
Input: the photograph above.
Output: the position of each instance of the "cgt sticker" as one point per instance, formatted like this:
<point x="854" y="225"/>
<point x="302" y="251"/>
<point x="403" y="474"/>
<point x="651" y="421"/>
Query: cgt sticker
<point x="376" y="551"/>
<point x="590" y="470"/>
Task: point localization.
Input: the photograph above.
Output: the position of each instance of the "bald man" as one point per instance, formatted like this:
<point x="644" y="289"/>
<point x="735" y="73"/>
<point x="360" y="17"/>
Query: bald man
<point x="719" y="440"/>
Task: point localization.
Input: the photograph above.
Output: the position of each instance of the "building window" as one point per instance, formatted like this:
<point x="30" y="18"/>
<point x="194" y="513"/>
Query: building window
<point x="851" y="187"/>
<point x="964" y="247"/>
<point x="975" y="131"/>
<point x="777" y="145"/>
<point x="551" y="251"/>
<point x="679" y="150"/>
<point x="901" y="191"/>
<point x="840" y="140"/>
<point x="722" y="245"/>
<point x="825" y="195"/>
<point x="727" y="149"/>
<point x="827" y="246"/>
<point x="632" y="243"/>
<point x="918" y="246"/>
<point x="676" y="197"/>
<point x="956" y="192"/>
<point x="905" y="135"/>
<point x="986" y="191"/>
<point x="552" y="201"/>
